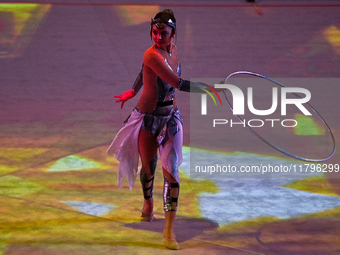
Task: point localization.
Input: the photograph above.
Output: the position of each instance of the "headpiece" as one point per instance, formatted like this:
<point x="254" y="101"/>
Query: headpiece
<point x="160" y="23"/>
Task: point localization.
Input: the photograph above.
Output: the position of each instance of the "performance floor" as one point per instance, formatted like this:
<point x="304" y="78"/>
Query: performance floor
<point x="62" y="62"/>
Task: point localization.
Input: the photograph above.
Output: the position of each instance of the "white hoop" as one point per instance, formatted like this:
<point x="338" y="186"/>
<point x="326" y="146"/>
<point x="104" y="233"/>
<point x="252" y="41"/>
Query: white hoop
<point x="264" y="140"/>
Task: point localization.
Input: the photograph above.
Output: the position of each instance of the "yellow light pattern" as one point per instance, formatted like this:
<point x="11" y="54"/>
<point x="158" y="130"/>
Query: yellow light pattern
<point x="307" y="126"/>
<point x="131" y="15"/>
<point x="332" y="35"/>
<point x="18" y="23"/>
<point x="19" y="154"/>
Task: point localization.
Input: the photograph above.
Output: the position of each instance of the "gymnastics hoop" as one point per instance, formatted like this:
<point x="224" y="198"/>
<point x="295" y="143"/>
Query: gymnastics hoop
<point x="264" y="140"/>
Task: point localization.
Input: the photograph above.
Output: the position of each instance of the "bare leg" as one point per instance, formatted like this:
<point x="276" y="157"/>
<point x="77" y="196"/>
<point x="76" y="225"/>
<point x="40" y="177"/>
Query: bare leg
<point x="147" y="146"/>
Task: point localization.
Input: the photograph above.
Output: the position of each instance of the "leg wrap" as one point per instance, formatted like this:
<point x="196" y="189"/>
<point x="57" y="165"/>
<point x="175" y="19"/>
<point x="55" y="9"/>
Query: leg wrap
<point x="170" y="195"/>
<point x="147" y="184"/>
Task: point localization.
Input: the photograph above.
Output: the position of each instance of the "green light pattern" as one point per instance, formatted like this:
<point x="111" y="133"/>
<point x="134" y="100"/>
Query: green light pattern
<point x="307" y="126"/>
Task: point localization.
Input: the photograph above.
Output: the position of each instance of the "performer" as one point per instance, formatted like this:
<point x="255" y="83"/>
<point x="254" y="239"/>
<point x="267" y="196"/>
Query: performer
<point x="155" y="123"/>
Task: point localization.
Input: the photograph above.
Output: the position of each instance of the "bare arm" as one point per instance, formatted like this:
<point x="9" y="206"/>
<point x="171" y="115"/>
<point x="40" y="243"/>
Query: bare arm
<point x="156" y="63"/>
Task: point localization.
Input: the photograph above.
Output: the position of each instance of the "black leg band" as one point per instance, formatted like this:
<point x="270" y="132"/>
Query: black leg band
<point x="147" y="184"/>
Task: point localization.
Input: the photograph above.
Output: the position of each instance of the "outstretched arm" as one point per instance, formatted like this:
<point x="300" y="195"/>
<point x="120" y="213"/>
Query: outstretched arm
<point x="131" y="93"/>
<point x="157" y="64"/>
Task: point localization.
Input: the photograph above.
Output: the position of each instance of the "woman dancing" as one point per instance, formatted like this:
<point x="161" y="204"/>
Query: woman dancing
<point x="155" y="123"/>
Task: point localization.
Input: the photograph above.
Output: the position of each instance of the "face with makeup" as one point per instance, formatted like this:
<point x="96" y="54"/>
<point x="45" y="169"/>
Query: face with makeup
<point x="162" y="36"/>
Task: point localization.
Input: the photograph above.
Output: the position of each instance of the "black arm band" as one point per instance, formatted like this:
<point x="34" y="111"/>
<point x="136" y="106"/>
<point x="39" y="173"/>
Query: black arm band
<point x="187" y="86"/>
<point x="184" y="85"/>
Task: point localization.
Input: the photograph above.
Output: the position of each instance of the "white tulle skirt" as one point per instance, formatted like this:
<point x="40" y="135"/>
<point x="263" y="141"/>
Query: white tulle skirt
<point x="124" y="148"/>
